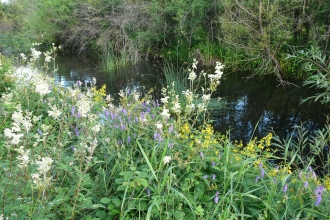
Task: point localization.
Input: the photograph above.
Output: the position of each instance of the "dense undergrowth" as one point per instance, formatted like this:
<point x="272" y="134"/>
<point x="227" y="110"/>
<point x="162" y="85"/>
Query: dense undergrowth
<point x="70" y="153"/>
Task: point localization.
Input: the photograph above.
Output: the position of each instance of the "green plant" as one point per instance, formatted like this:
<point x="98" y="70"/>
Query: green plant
<point x="317" y="66"/>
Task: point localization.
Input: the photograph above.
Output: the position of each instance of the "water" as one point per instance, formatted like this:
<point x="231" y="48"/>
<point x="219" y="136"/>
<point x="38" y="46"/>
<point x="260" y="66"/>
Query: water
<point x="248" y="108"/>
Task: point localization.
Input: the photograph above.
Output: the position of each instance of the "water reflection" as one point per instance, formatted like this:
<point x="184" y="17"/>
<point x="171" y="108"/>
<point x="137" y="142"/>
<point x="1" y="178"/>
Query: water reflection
<point x="256" y="107"/>
<point x="249" y="108"/>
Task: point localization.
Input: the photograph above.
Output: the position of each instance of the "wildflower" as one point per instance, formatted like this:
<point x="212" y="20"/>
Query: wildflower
<point x="213" y="163"/>
<point x="166" y="159"/>
<point x="84" y="107"/>
<point x="39" y="132"/>
<point x="55" y="113"/>
<point x="201" y="154"/>
<point x="159" y="126"/>
<point x="306" y="184"/>
<point x="170" y="129"/>
<point x="44" y="164"/>
<point x="195" y="62"/>
<point x="148" y="192"/>
<point x="205" y="177"/>
<point x="192" y="75"/>
<point x="206" y="97"/>
<point x="213" y="176"/>
<point x="42" y="88"/>
<point x="318" y="193"/>
<point x="165" y="114"/>
<point x="165" y="99"/>
<point x="129" y="139"/>
<point x="76" y="131"/>
<point x="285" y="188"/>
<point x="257" y="178"/>
<point x="35" y="54"/>
<point x="176" y="107"/>
<point x="23" y="157"/>
<point x="216" y="198"/>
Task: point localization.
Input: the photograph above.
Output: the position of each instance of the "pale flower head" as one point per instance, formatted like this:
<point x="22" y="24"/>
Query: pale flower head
<point x="192" y="75"/>
<point x="206" y="97"/>
<point x="55" y="113"/>
<point x="159" y="125"/>
<point x="44" y="165"/>
<point x="166" y="159"/>
<point x="165" y="114"/>
<point x="165" y="99"/>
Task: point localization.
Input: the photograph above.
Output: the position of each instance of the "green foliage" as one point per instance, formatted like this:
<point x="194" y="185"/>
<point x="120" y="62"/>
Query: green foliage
<point x="317" y="66"/>
<point x="5" y="81"/>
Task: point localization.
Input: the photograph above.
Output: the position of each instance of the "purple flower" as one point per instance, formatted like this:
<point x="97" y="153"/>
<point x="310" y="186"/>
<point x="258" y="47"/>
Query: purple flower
<point x="148" y="110"/>
<point x="310" y="169"/>
<point x="122" y="127"/>
<point x="170" y="129"/>
<point x="201" y="154"/>
<point x="170" y="144"/>
<point x="78" y="115"/>
<point x="216" y="198"/>
<point x="257" y="179"/>
<point x="306" y="184"/>
<point x="213" y="176"/>
<point x="285" y="188"/>
<point x="318" y="200"/>
<point x="128" y="139"/>
<point x="73" y="109"/>
<point x="39" y="132"/>
<point x="213" y="163"/>
<point x="124" y="111"/>
<point x="106" y="113"/>
<point x="72" y="148"/>
<point x="262" y="172"/>
<point x="79" y="83"/>
<point x="76" y="131"/>
<point x="148" y="192"/>
<point x="205" y="177"/>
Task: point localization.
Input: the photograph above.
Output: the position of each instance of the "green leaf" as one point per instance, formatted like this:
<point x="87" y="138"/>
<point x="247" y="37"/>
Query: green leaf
<point x="105" y="200"/>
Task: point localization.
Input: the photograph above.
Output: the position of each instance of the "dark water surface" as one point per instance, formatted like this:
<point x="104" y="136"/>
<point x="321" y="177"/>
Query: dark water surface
<point x="248" y="107"/>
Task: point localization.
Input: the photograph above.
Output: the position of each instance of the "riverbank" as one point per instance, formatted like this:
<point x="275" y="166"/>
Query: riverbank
<point x="71" y="153"/>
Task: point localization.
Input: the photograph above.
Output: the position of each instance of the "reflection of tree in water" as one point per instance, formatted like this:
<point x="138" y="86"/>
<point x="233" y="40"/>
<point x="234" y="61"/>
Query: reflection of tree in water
<point x="257" y="107"/>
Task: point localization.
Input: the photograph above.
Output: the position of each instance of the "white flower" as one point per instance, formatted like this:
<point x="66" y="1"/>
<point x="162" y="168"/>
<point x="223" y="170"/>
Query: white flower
<point x="194" y="65"/>
<point x="159" y="125"/>
<point x="206" y="97"/>
<point x="165" y="114"/>
<point x="23" y="158"/>
<point x="84" y="107"/>
<point x="96" y="128"/>
<point x="176" y="107"/>
<point x="8" y="133"/>
<point x="165" y="99"/>
<point x="16" y="138"/>
<point x="192" y="75"/>
<point x="166" y="159"/>
<point x="42" y="88"/>
<point x="44" y="165"/>
<point x="35" y="54"/>
<point x="55" y="113"/>
<point x="23" y="56"/>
